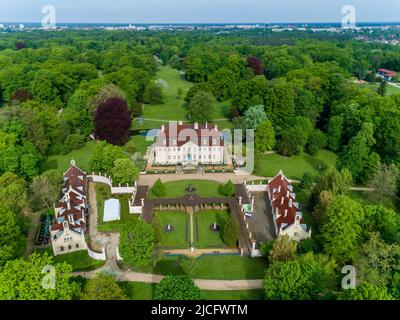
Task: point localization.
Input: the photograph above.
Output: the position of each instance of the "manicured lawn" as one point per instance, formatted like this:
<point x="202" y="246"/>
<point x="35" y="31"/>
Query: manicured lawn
<point x="256" y="294"/>
<point x="144" y="291"/>
<point x="294" y="167"/>
<point x="175" y="239"/>
<point x="172" y="108"/>
<point x="168" y="265"/>
<point x="103" y="193"/>
<point x="208" y="238"/>
<point x="204" y="188"/>
<point x="141" y="144"/>
<point x="138" y="290"/>
<point x="229" y="267"/>
<point x="79" y="260"/>
<point x="81" y="156"/>
<point x="224" y="267"/>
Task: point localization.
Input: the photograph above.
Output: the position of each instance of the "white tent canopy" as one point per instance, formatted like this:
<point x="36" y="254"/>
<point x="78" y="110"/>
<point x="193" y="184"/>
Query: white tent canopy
<point x="112" y="210"/>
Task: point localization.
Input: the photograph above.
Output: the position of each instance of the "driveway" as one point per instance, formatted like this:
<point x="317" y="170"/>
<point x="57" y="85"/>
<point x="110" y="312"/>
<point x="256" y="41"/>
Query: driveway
<point x="150" y="179"/>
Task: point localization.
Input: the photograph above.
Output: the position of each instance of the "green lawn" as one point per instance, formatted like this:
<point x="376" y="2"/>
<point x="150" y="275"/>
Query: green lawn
<point x="256" y="294"/>
<point x="79" y="260"/>
<point x="294" y="167"/>
<point x="208" y="238"/>
<point x="229" y="267"/>
<point x="175" y="239"/>
<point x="369" y="199"/>
<point x="103" y="193"/>
<point x="168" y="265"/>
<point x="173" y="107"/>
<point x="138" y="290"/>
<point x="141" y="144"/>
<point x="81" y="156"/>
<point x="224" y="267"/>
<point x="144" y="291"/>
<point x="390" y="90"/>
<point x="204" y="188"/>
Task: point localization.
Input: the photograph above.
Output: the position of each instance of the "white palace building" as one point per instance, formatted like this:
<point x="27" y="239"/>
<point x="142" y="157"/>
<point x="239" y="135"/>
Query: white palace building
<point x="188" y="144"/>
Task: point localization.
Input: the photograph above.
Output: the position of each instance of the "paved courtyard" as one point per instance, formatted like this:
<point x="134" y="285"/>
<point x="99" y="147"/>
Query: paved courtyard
<point x="261" y="223"/>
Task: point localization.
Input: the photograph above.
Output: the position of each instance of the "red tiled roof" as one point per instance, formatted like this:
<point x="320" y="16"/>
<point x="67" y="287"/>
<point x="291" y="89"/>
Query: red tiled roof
<point x="387" y="72"/>
<point x="71" y="202"/>
<point x="200" y="135"/>
<point x="284" y="200"/>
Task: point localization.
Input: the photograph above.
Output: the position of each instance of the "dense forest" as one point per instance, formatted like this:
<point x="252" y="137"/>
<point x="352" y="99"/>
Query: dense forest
<point x="298" y="91"/>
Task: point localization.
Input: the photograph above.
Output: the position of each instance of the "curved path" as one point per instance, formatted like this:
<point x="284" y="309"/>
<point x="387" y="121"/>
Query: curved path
<point x="205" y="284"/>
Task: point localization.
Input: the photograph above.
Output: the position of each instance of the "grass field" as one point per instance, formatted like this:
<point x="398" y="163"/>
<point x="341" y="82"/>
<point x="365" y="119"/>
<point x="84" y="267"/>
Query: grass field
<point x="294" y="167"/>
<point x="103" y="193"/>
<point x="390" y="90"/>
<point x="204" y="188"/>
<point x="140" y="143"/>
<point x="208" y="238"/>
<point x="144" y="291"/>
<point x="81" y="156"/>
<point x="177" y="238"/>
<point x="138" y="290"/>
<point x="229" y="267"/>
<point x="224" y="267"/>
<point x="173" y="107"/>
<point x="79" y="260"/>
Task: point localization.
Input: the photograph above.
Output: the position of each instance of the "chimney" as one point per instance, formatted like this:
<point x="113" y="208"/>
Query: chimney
<point x="206" y="125"/>
<point x="180" y="123"/>
<point x="162" y="128"/>
<point x="288" y="194"/>
<point x="290" y="203"/>
<point x="196" y="126"/>
<point x="73" y="163"/>
<point x="286" y="211"/>
<point x="68" y="201"/>
<point x="282" y="199"/>
<point x="216" y="127"/>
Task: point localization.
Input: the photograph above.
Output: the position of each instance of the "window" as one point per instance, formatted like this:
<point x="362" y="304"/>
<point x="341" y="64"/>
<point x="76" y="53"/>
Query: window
<point x="77" y="245"/>
<point x="69" y="247"/>
<point x="61" y="248"/>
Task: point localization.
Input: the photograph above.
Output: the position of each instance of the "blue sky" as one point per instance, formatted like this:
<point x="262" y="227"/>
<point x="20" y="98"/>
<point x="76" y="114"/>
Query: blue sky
<point x="198" y="11"/>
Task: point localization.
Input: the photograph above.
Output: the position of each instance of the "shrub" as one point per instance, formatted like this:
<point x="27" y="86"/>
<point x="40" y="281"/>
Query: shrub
<point x="159" y="189"/>
<point x="231" y="231"/>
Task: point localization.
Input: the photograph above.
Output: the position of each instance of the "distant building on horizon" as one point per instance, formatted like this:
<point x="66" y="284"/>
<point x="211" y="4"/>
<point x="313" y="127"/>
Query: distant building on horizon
<point x="386" y="74"/>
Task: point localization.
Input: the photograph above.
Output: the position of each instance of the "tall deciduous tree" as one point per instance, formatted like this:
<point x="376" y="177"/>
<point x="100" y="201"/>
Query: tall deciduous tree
<point x="254" y="116"/>
<point x="265" y="137"/>
<point x="358" y="157"/>
<point x="342" y="228"/>
<point x="11" y="241"/>
<point x="103" y="287"/>
<point x="27" y="280"/>
<point x="256" y="65"/>
<point x="308" y="277"/>
<point x="124" y="172"/>
<point x="113" y="121"/>
<point x="284" y="249"/>
<point x="177" y="288"/>
<point x="202" y="107"/>
<point x="137" y="242"/>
